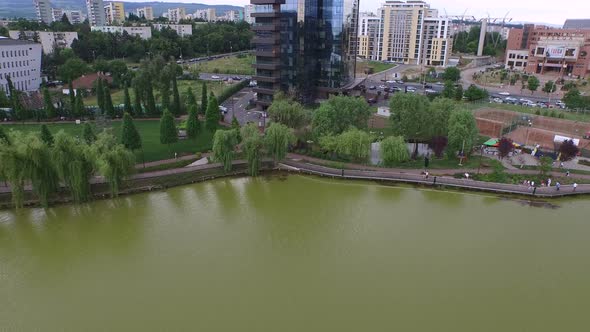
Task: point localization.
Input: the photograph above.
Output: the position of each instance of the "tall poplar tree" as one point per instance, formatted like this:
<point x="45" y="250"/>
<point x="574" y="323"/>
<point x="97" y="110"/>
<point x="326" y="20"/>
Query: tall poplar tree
<point x="108" y="102"/>
<point x="50" y="111"/>
<point x="176" y="106"/>
<point x="204" y="101"/>
<point x="212" y="114"/>
<point x="168" y="133"/>
<point x="127" y="101"/>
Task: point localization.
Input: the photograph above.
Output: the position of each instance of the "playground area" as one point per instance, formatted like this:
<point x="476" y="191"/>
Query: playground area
<point x="528" y="129"/>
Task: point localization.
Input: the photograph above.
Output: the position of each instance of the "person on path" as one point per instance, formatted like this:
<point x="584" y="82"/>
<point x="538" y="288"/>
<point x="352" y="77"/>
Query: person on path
<point x="557" y="186"/>
<point x="549" y="182"/>
<point x="426" y="175"/>
<point x="467" y="176"/>
<point x="575" y="186"/>
<point x="567" y="173"/>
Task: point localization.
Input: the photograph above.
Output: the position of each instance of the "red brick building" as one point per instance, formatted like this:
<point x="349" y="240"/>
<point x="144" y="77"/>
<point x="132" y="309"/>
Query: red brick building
<point x="565" y="52"/>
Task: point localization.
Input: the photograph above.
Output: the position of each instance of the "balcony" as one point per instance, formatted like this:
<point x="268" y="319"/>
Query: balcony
<point x="264" y="78"/>
<point x="271" y="40"/>
<point x="264" y="91"/>
<point x="266" y="14"/>
<point x="267" y="52"/>
<point x="267" y="2"/>
<point x="270" y="65"/>
<point x="265" y="27"/>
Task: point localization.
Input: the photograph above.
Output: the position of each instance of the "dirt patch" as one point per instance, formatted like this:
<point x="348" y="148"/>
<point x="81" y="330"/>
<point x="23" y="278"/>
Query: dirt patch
<point x="378" y="122"/>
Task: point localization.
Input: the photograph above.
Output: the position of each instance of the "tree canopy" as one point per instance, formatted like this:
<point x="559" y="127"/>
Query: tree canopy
<point x="338" y="113"/>
<point x="277" y="139"/>
<point x="224" y="144"/>
<point x="393" y="151"/>
<point x="462" y="132"/>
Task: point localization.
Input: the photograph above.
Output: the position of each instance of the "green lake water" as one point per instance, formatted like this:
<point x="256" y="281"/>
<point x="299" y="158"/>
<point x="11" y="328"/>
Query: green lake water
<point x="297" y="254"/>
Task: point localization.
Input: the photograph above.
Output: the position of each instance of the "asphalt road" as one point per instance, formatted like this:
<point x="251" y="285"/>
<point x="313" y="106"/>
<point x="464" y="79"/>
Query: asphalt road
<point x="236" y="105"/>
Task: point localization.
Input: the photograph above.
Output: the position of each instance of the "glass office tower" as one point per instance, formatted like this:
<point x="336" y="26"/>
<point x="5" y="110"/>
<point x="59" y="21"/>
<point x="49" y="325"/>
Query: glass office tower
<point x="305" y="47"/>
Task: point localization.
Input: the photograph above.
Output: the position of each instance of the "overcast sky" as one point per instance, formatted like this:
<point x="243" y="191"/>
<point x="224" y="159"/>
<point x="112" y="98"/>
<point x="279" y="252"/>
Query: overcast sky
<point x="543" y="11"/>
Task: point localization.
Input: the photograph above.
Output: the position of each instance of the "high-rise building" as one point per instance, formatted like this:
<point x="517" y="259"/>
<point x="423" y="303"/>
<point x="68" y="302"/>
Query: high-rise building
<point x="412" y="33"/>
<point x="248" y="10"/>
<point x="74" y="16"/>
<point x="95" y="12"/>
<point x="401" y="31"/>
<point x="139" y="31"/>
<point x="21" y="61"/>
<point x="43" y="9"/>
<point x="436" y="42"/>
<point x="114" y="12"/>
<point x="304" y="46"/>
<point x="176" y="14"/>
<point x="368" y="36"/>
<point x="145" y="12"/>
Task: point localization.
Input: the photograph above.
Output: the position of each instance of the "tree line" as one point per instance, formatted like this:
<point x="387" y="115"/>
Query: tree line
<point x="46" y="162"/>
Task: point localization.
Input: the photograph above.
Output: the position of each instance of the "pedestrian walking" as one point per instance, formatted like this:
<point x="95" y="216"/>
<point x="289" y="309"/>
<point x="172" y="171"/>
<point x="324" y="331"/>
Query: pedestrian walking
<point x="557" y="186"/>
<point x="175" y="155"/>
<point x="426" y="175"/>
<point x="575" y="186"/>
<point x="567" y="173"/>
<point x="467" y="176"/>
<point x="549" y="182"/>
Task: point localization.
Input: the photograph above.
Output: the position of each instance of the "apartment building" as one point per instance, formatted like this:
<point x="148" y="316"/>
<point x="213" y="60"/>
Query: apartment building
<point x="176" y="14"/>
<point x="114" y="12"/>
<point x="248" y="10"/>
<point x="74" y="16"/>
<point x="95" y="10"/>
<point x="230" y="16"/>
<point x="401" y="31"/>
<point x="21" y="61"/>
<point x="181" y="29"/>
<point x="368" y="36"/>
<point x="411" y="32"/>
<point x="208" y="14"/>
<point x="141" y="32"/>
<point x="145" y="12"/>
<point x="437" y="42"/>
<point x="50" y="41"/>
<point x="43" y="10"/>
<point x="564" y="52"/>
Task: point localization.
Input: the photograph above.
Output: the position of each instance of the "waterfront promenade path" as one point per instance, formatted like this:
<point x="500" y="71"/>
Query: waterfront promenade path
<point x="438" y="178"/>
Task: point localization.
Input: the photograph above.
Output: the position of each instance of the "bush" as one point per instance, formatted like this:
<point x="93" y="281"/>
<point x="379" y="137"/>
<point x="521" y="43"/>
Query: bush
<point x="561" y="115"/>
<point x="545" y="113"/>
<point x="223" y="96"/>
<point x="553" y="114"/>
<point x="216" y="71"/>
<point x="584" y="162"/>
<point x="538" y="112"/>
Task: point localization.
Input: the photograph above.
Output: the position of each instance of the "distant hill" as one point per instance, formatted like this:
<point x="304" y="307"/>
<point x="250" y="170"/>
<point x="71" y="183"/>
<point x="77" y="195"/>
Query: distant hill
<point x="24" y="8"/>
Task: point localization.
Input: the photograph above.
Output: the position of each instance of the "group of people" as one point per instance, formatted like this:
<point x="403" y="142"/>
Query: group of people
<point x="547" y="183"/>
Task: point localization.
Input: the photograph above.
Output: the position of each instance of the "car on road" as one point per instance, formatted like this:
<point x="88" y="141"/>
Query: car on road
<point x="382" y="87"/>
<point x="524" y="100"/>
<point x="215" y="77"/>
<point x="504" y="93"/>
<point x="429" y="91"/>
<point x="372" y="87"/>
<point x="390" y="82"/>
<point x="396" y="88"/>
<point x="236" y="78"/>
<point x="223" y="109"/>
<point x="411" y="89"/>
<point x="427" y="86"/>
<point x="401" y="82"/>
<point x="497" y="100"/>
<point x="511" y="100"/>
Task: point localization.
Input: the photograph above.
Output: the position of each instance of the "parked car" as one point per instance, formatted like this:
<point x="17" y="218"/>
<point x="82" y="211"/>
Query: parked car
<point x="236" y="78"/>
<point x="427" y="86"/>
<point x="429" y="91"/>
<point x="372" y="87"/>
<point x="411" y="89"/>
<point x="215" y="77"/>
<point x="382" y="87"/>
<point x="497" y="100"/>
<point x="504" y="93"/>
<point x="396" y="88"/>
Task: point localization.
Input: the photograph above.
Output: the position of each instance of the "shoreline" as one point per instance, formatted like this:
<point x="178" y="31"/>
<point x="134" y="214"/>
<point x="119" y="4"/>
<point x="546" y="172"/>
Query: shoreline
<point x="161" y="180"/>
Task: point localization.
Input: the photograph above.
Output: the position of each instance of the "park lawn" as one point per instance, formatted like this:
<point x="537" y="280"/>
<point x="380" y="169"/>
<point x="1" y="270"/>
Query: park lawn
<point x="376" y="65"/>
<point x="149" y="130"/>
<point x="229" y="65"/>
<point x="118" y="96"/>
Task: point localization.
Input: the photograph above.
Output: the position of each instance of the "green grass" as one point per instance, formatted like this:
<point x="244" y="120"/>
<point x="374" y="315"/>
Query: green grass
<point x="230" y="65"/>
<point x="376" y="65"/>
<point x="149" y="130"/>
<point x="118" y="96"/>
<point x="163" y="167"/>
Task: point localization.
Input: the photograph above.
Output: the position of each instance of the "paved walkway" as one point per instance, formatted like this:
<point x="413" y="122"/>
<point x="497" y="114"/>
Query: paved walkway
<point x="411" y="177"/>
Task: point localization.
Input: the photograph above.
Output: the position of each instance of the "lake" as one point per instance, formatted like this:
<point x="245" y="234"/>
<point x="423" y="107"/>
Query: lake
<point x="297" y="253"/>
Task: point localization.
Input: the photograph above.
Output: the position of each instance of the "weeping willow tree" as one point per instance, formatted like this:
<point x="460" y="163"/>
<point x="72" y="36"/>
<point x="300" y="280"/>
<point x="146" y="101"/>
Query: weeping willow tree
<point x="394" y="151"/>
<point x="112" y="160"/>
<point x="277" y="140"/>
<point x="252" y="144"/>
<point x="12" y="169"/>
<point x="38" y="166"/>
<point x="224" y="143"/>
<point x="74" y="165"/>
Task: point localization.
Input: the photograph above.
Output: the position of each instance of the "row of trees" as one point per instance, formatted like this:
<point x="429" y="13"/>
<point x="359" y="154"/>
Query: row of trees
<point x="46" y="162"/>
<point x="438" y="123"/>
<point x="254" y="146"/>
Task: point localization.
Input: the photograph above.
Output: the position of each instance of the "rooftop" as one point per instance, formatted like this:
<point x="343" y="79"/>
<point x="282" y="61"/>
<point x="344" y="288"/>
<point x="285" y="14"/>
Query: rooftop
<point x="4" y="41"/>
<point x="577" y="24"/>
